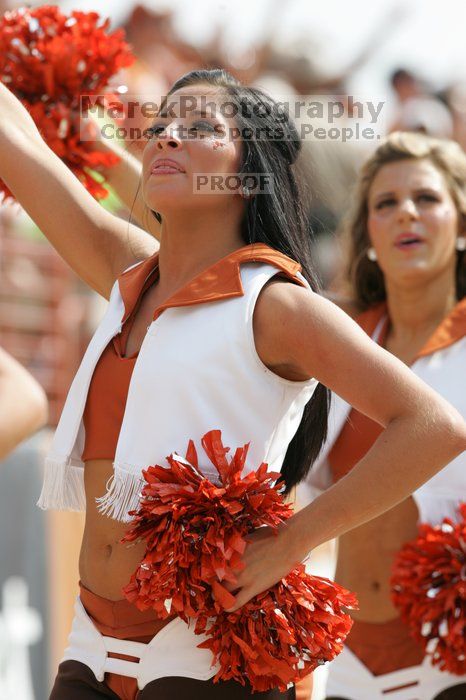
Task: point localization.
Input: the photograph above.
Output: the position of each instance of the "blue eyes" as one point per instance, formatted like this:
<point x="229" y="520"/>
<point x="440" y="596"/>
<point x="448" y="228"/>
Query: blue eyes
<point x="201" y="126"/>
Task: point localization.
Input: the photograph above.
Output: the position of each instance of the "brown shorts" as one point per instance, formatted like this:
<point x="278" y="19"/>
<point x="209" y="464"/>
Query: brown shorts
<point x="75" y="681"/>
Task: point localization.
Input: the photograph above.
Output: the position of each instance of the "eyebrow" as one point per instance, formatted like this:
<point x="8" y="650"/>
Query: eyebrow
<point x="201" y="113"/>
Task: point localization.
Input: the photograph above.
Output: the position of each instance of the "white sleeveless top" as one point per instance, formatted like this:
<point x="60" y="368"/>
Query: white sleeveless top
<point x="197" y="370"/>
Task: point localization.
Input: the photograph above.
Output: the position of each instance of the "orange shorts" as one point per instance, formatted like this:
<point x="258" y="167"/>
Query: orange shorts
<point x="121" y="619"/>
<point x="384" y="647"/>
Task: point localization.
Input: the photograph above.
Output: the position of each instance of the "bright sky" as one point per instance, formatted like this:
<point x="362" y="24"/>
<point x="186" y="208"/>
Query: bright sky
<point x="429" y="35"/>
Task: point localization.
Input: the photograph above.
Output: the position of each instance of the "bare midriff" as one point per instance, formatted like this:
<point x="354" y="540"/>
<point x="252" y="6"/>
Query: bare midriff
<point x="105" y="564"/>
<point x="365" y="560"/>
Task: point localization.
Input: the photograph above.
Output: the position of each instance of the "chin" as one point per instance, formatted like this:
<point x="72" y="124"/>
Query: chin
<point x="414" y="275"/>
<point x="168" y="197"/>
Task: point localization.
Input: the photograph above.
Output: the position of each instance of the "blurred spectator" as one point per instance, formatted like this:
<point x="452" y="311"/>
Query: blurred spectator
<point x="456" y="97"/>
<point x="418" y="109"/>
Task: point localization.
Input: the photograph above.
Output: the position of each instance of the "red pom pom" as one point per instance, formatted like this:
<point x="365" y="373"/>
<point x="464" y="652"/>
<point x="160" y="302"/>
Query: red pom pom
<point x="48" y="59"/>
<point x="195" y="531"/>
<point x="429" y="589"/>
<point x="281" y="635"/>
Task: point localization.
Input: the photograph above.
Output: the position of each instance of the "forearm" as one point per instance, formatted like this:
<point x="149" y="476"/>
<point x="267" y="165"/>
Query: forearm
<point x="125" y="178"/>
<point x="13" y="115"/>
<point x="408" y="453"/>
<point x="16" y="122"/>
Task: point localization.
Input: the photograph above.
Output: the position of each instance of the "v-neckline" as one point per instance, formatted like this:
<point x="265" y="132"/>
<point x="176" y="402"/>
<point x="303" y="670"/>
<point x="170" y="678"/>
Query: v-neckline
<point x="122" y="338"/>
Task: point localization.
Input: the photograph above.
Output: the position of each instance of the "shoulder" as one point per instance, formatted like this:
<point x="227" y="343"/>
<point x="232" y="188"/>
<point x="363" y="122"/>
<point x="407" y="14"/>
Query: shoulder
<point x="287" y="315"/>
<point x="281" y="292"/>
<point x="283" y="300"/>
<point x="299" y="329"/>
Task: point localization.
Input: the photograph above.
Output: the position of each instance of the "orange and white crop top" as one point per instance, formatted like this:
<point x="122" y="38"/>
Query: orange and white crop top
<point x="197" y="370"/>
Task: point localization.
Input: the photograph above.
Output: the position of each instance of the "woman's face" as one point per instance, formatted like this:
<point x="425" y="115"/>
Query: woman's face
<point x="197" y="140"/>
<point x="412" y="222"/>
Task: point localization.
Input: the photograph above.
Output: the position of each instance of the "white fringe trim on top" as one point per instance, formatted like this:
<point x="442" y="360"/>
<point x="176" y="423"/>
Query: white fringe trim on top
<point x="63" y="487"/>
<point x="123" y="495"/>
<point x="124" y="492"/>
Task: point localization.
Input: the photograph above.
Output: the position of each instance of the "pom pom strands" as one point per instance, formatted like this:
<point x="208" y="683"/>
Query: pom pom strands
<point x="429" y="589"/>
<point x="48" y="59"/>
<point x="195" y="531"/>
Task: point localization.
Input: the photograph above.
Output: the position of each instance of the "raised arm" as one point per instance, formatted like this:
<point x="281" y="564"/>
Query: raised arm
<point x="96" y="244"/>
<point x="23" y="404"/>
<point x="309" y="335"/>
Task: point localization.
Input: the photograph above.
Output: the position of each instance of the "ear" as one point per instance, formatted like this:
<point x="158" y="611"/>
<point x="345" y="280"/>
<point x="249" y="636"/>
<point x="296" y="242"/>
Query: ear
<point x="245" y="192"/>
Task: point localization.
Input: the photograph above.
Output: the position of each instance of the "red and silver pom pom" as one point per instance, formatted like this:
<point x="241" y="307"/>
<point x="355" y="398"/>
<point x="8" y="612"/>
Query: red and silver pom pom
<point x="196" y="534"/>
<point x="429" y="589"/>
<point x="49" y="60"/>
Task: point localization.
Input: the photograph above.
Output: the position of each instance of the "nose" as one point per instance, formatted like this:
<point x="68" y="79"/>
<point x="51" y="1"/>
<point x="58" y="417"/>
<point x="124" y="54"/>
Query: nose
<point x="169" y="139"/>
<point x="407" y="210"/>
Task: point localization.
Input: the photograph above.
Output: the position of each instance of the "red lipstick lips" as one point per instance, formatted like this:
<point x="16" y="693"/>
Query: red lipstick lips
<point x="407" y="241"/>
<point x="166" y="166"/>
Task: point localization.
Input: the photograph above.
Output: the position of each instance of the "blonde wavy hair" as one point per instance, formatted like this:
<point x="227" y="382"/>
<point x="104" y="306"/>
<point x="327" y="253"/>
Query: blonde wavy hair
<point x="365" y="277"/>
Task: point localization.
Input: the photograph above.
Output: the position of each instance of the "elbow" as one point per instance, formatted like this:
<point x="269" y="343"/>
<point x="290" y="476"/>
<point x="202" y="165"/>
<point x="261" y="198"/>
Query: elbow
<point x="39" y="409"/>
<point x="454" y="427"/>
<point x="32" y="417"/>
<point x="36" y="408"/>
<point x="462" y="436"/>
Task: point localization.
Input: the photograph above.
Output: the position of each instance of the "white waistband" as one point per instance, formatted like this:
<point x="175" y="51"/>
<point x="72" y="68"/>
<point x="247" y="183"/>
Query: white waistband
<point x="172" y="652"/>
<point x="349" y="678"/>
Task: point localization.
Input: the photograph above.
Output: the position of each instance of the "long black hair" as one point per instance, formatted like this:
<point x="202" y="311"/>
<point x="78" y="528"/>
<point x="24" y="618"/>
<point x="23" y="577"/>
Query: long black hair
<point x="276" y="218"/>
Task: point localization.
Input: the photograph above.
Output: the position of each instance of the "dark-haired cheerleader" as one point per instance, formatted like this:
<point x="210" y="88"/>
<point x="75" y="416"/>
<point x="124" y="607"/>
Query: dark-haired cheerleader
<point x="219" y="328"/>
